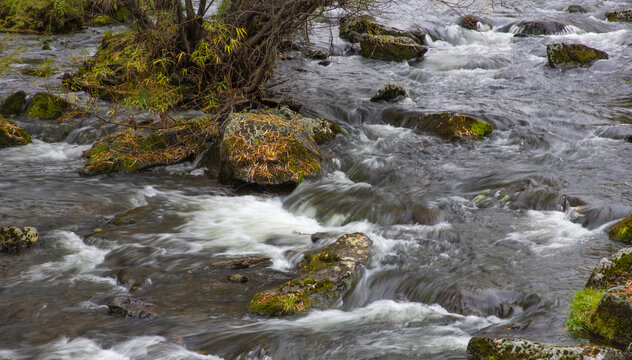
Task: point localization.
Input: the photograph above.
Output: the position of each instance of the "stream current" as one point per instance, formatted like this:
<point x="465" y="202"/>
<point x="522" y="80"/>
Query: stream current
<point x="468" y="237"/>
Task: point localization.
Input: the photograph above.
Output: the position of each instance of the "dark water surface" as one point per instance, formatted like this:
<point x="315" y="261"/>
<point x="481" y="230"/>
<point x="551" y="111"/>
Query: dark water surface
<point x="469" y="237"/>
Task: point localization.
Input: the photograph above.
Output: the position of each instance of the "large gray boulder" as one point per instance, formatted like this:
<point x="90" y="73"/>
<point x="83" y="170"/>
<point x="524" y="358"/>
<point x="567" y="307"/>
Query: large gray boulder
<point x="563" y="55"/>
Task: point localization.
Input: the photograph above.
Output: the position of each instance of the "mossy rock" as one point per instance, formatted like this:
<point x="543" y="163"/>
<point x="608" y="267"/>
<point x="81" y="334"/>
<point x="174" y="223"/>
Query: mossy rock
<point x="13" y="239"/>
<point x="353" y="27"/>
<point x="45" y="106"/>
<point x="563" y="55"/>
<point x="622" y="231"/>
<point x="265" y="148"/>
<point x="446" y="125"/>
<point x="535" y="27"/>
<point x="129" y="150"/>
<point x="101" y="20"/>
<point x="489" y="348"/>
<point x="469" y="22"/>
<point x="619" y="15"/>
<point x="13" y="104"/>
<point x="613" y="271"/>
<point x="46" y="16"/>
<point x="390" y="92"/>
<point x="390" y="48"/>
<point x="11" y="134"/>
<point x="327" y="274"/>
<point x="321" y="130"/>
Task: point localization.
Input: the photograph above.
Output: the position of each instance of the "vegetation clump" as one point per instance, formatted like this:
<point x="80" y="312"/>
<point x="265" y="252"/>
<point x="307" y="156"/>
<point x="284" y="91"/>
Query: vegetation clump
<point x="131" y="149"/>
<point x="582" y="308"/>
<point x="46" y="16"/>
<point x="11" y="134"/>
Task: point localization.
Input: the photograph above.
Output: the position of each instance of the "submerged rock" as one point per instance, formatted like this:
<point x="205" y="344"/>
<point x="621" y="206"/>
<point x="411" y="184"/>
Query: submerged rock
<point x="132" y="150"/>
<point x="45" y="106"/>
<point x="470" y="22"/>
<point x="352" y="28"/>
<point x="126" y="306"/>
<point x="241" y="263"/>
<point x="13" y="239"/>
<point x="390" y="92"/>
<point x="620" y="15"/>
<point x="446" y="125"/>
<point x="13" y="104"/>
<point x="576" y="9"/>
<point x="269" y="147"/>
<point x="327" y="274"/>
<point x="535" y="27"/>
<point x="11" y="134"/>
<point x="391" y="48"/>
<point x="487" y="348"/>
<point x="572" y="55"/>
<point x="622" y="231"/>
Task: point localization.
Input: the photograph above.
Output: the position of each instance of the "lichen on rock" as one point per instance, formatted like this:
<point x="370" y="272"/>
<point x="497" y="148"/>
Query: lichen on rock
<point x="390" y="48"/>
<point x="563" y="55"/>
<point x="46" y="106"/>
<point x="489" y="348"/>
<point x="327" y="274"/>
<point x="13" y="104"/>
<point x="11" y="134"/>
<point x="13" y="239"/>
<point x="390" y="92"/>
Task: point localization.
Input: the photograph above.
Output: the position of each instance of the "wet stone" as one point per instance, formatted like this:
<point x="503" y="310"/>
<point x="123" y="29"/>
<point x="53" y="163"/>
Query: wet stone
<point x="126" y="306"/>
<point x="238" y="278"/>
<point x="13" y="239"/>
<point x="489" y="348"/>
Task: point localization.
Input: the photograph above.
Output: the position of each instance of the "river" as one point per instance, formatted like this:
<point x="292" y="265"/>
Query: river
<point x="469" y="237"/>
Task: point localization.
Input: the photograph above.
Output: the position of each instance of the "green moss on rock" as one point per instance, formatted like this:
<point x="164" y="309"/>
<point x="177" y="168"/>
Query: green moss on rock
<point x="619" y="15"/>
<point x="390" y="48"/>
<point x="45" y="106"/>
<point x="622" y="231"/>
<point x="13" y="104"/>
<point x="11" y="134"/>
<point x="446" y="125"/>
<point x="613" y="271"/>
<point x="353" y="27"/>
<point x="572" y="55"/>
<point x="582" y="307"/>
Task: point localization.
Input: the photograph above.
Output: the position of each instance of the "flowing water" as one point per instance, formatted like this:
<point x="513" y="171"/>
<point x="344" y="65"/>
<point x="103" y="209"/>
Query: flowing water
<point x="468" y="237"/>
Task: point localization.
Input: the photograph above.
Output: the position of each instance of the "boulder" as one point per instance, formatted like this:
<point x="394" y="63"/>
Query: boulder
<point x="13" y="239"/>
<point x="446" y="125"/>
<point x="126" y="306"/>
<point x="132" y="150"/>
<point x="613" y="271"/>
<point x="622" y="231"/>
<point x="535" y="27"/>
<point x="488" y="348"/>
<point x="269" y="148"/>
<point x="13" y="104"/>
<point x="316" y="54"/>
<point x="469" y="22"/>
<point x="11" y="134"/>
<point x="619" y="15"/>
<point x="563" y="55"/>
<point x="390" y="48"/>
<point x="576" y="9"/>
<point x="45" y="106"/>
<point x="241" y="263"/>
<point x="327" y="274"/>
<point x="353" y="27"/>
<point x="391" y="92"/>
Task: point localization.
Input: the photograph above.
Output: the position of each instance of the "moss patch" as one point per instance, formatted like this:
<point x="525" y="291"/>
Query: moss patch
<point x="582" y="307"/>
<point x="319" y="261"/>
<point x="292" y="297"/>
<point x="572" y="55"/>
<point x="619" y="15"/>
<point x="11" y="134"/>
<point x="45" y="106"/>
<point x="13" y="104"/>
<point x="49" y="16"/>
<point x="622" y="231"/>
